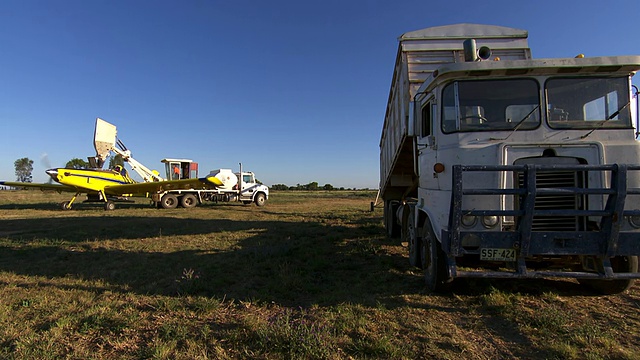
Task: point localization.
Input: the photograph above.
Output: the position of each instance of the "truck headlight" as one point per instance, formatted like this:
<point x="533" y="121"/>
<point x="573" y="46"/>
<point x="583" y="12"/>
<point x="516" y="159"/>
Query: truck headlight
<point x="489" y="221"/>
<point x="468" y="220"/>
<point x="634" y="220"/>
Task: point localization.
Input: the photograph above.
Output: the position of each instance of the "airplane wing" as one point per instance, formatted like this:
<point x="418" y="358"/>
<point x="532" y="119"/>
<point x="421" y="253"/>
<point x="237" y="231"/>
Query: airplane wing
<point x="45" y="186"/>
<point x="204" y="183"/>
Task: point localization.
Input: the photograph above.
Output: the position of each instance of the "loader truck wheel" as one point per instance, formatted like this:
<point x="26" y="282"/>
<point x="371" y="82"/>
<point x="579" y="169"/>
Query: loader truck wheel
<point x="169" y="201"/>
<point x="188" y="201"/>
<point x="260" y="199"/>
<point x="619" y="264"/>
<point x="434" y="261"/>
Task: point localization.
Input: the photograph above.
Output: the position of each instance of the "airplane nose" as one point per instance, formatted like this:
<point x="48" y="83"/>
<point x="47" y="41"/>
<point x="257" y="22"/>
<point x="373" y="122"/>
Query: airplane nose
<point x="53" y="173"/>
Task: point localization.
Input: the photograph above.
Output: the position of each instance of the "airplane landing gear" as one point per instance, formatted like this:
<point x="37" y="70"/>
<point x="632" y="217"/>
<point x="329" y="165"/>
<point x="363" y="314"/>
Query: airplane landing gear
<point x="109" y="205"/>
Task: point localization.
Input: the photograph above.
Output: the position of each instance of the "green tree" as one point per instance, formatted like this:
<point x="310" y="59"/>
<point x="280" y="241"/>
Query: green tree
<point x="116" y="160"/>
<point x="76" y="163"/>
<point x="328" y="187"/>
<point x="24" y="167"/>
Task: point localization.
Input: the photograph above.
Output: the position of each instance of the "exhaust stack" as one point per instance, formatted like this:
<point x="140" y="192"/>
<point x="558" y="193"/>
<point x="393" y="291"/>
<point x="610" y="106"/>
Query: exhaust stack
<point x="472" y="54"/>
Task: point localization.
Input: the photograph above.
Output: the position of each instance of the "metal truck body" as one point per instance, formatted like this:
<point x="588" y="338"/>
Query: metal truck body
<point x="494" y="164"/>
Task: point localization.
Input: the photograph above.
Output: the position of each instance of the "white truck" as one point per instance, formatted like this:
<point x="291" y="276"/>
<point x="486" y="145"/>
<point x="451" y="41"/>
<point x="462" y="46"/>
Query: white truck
<point x="240" y="186"/>
<point x="497" y="165"/>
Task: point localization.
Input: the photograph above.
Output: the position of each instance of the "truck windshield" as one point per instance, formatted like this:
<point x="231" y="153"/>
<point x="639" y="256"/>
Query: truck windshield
<point x="588" y="103"/>
<point x="490" y="105"/>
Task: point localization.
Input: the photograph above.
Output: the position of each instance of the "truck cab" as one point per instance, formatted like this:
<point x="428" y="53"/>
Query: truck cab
<point x="176" y="169"/>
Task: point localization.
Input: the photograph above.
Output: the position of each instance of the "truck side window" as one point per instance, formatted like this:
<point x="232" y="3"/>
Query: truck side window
<point x="425" y="125"/>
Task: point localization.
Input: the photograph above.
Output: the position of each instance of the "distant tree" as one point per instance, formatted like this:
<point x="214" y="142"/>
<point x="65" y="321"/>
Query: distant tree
<point x="312" y="186"/>
<point x="116" y="160"/>
<point x="328" y="187"/>
<point x="279" y="187"/>
<point x="76" y="163"/>
<point x="24" y="167"/>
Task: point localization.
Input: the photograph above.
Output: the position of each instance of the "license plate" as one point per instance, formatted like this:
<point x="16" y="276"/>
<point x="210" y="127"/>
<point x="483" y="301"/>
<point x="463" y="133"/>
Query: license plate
<point x="490" y="254"/>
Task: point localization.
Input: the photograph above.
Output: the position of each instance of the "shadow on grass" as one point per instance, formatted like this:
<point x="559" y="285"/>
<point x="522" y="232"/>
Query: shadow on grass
<point x="308" y="262"/>
<point x="290" y="263"/>
<point x="76" y="206"/>
<point x="301" y="263"/>
<point x="533" y="287"/>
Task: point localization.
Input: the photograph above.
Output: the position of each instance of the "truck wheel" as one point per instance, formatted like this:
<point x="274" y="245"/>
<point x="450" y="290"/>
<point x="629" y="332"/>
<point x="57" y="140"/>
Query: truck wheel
<point x="390" y="220"/>
<point x="433" y="261"/>
<point x="619" y="264"/>
<point x="260" y="199"/>
<point x="109" y="205"/>
<point x="188" y="201"/>
<point x="409" y="233"/>
<point x="402" y="214"/>
<point x="169" y="201"/>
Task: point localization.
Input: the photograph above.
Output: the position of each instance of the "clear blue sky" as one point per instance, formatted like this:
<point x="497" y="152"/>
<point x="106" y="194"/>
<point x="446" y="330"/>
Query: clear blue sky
<point x="295" y="90"/>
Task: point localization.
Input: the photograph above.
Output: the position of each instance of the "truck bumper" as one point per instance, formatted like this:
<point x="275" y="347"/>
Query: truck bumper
<point x="593" y="247"/>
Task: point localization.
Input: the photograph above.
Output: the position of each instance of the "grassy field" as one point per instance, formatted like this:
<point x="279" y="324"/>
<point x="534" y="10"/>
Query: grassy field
<point x="310" y="275"/>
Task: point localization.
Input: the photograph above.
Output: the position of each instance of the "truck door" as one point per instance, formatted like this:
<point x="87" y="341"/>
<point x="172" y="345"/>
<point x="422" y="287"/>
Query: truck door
<point x="248" y="185"/>
<point x="426" y="145"/>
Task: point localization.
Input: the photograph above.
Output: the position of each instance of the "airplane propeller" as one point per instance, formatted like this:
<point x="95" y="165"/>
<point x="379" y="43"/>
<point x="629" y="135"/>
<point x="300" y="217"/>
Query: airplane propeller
<point x="44" y="159"/>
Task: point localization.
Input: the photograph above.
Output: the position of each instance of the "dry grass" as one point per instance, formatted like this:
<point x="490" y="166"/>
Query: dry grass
<point x="310" y="275"/>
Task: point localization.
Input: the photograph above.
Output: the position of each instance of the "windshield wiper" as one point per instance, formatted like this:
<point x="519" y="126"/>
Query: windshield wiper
<point x="601" y="124"/>
<point x="521" y="122"/>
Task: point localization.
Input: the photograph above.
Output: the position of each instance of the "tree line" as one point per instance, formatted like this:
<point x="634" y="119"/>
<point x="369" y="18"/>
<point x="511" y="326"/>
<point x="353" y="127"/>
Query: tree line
<point x="310" y="186"/>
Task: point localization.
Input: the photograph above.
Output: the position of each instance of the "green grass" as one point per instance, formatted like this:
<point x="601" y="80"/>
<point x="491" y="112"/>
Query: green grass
<point x="310" y="275"/>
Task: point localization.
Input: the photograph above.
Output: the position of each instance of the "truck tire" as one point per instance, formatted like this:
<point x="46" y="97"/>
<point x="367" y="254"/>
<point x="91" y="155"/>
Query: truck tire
<point x="169" y="201"/>
<point x="409" y="235"/>
<point x="620" y="264"/>
<point x="188" y="201"/>
<point x="260" y="199"/>
<point x="434" y="261"/>
<point x="390" y="219"/>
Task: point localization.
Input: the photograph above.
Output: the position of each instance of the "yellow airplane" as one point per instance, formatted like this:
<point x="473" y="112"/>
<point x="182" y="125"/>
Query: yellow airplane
<point x="110" y="186"/>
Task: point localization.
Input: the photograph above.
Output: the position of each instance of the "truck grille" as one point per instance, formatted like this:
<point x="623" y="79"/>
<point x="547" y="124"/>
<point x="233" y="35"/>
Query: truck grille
<point x="557" y="179"/>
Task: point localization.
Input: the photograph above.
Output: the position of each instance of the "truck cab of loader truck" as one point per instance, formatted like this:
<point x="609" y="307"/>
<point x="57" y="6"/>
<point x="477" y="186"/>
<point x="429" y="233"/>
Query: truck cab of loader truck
<point x="177" y="169"/>
<point x="545" y="112"/>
